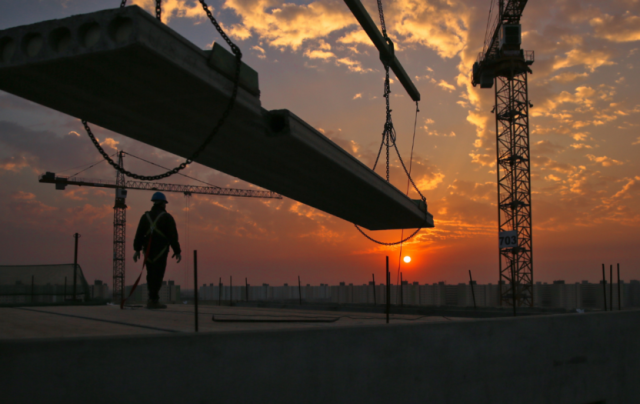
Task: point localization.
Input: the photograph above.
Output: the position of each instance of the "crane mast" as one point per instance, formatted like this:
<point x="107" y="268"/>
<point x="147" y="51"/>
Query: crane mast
<point x="504" y="63"/>
<point x="121" y="185"/>
<point x="119" y="233"/>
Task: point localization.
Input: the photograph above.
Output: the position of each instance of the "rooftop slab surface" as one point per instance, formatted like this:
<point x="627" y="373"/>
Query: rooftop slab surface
<point x="109" y="320"/>
<point x="123" y="70"/>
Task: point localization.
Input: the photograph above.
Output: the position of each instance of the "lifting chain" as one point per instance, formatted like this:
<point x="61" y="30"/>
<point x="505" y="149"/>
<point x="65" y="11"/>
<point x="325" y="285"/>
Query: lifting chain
<point x="389" y="134"/>
<point x="159" y="10"/>
<point x="238" y="54"/>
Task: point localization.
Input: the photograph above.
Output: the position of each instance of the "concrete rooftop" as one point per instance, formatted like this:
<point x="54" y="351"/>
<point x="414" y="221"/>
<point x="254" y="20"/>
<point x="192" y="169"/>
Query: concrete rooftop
<point x="109" y="320"/>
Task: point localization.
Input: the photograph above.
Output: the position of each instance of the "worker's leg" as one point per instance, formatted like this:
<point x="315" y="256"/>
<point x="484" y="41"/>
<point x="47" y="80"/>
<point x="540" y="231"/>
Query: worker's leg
<point x="155" y="274"/>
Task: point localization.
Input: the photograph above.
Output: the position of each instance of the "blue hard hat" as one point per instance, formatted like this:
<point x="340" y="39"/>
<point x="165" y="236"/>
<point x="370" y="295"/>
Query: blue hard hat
<point x="159" y="197"/>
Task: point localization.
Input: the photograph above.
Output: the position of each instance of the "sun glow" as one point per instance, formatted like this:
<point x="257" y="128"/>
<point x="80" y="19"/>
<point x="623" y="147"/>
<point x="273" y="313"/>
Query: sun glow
<point x="407" y="259"/>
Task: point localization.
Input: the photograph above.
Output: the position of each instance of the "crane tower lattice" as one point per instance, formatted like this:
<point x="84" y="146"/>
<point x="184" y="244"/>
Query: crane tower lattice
<point x="504" y="63"/>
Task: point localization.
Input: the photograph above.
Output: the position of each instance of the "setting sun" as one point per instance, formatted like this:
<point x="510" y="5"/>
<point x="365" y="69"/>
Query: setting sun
<point x="407" y="259"/>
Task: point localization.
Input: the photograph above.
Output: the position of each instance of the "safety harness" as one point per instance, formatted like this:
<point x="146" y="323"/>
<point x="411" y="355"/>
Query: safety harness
<point x="153" y="228"/>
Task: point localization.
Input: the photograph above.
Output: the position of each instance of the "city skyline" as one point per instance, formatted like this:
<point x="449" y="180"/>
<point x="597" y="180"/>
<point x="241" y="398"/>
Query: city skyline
<point x="313" y="58"/>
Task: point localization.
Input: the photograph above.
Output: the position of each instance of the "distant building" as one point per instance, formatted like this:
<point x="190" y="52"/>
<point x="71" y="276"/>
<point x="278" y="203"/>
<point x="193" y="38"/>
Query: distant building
<point x="559" y="294"/>
<point x="99" y="290"/>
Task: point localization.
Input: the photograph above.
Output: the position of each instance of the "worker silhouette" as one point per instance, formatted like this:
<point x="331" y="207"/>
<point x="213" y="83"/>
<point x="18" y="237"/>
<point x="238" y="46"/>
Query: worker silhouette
<point x="156" y="232"/>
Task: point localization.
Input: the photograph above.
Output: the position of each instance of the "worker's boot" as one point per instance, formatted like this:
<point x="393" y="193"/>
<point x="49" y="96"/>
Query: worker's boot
<point x="154" y="304"/>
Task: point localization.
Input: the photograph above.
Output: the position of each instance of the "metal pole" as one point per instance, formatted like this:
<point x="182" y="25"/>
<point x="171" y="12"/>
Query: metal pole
<point x="375" y="303"/>
<point x="64" y="298"/>
<point x="611" y="287"/>
<point x="473" y="294"/>
<point x="32" y="291"/>
<point x="220" y="292"/>
<point x="513" y="287"/>
<point x="604" y="287"/>
<point x="619" y="295"/>
<point x="230" y="291"/>
<point x="401" y="291"/>
<point x="299" y="291"/>
<point x="246" y="289"/>
<point x="388" y="291"/>
<point x="75" y="266"/>
<point x="195" y="284"/>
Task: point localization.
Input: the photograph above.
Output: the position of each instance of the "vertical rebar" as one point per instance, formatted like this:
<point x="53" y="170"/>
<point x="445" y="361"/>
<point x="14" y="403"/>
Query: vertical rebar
<point x="75" y="266"/>
<point x="619" y="294"/>
<point x="388" y="290"/>
<point x="401" y="291"/>
<point x="220" y="292"/>
<point x="611" y="287"/>
<point x="375" y="303"/>
<point x="246" y="289"/>
<point x="195" y="284"/>
<point x="513" y="287"/>
<point x="473" y="294"/>
<point x="32" y="291"/>
<point x="299" y="290"/>
<point x="604" y="287"/>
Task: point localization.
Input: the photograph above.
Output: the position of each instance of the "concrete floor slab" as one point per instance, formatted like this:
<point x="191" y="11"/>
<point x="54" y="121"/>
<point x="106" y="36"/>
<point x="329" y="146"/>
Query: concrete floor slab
<point x="83" y="321"/>
<point x="123" y="70"/>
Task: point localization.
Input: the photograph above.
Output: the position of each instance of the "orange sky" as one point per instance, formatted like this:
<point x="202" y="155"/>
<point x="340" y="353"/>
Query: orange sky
<point x="313" y="59"/>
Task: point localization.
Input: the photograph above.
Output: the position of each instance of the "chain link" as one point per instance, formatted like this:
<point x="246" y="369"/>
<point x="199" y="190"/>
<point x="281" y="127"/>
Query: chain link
<point x="123" y="3"/>
<point x="238" y="54"/>
<point x="159" y="10"/>
<point x="382" y="25"/>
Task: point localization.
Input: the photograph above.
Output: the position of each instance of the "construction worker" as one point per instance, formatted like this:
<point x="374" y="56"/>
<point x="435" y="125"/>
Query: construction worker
<point x="156" y="232"/>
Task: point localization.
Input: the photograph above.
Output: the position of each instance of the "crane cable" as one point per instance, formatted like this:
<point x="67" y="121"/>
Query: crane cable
<point x="236" y="80"/>
<point x="389" y="138"/>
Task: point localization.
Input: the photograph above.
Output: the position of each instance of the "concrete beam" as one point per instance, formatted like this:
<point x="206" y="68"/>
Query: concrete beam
<point x="123" y="70"/>
<point x="386" y="52"/>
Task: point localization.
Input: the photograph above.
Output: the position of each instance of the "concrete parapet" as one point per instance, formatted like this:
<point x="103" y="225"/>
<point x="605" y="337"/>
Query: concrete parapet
<point x="577" y="359"/>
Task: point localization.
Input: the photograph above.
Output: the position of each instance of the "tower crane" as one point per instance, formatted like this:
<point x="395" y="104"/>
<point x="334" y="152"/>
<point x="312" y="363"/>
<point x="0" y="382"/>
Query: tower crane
<point x="504" y="62"/>
<point x="121" y="185"/>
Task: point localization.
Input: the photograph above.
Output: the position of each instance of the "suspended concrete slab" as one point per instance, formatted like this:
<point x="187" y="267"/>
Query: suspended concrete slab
<point x="123" y="70"/>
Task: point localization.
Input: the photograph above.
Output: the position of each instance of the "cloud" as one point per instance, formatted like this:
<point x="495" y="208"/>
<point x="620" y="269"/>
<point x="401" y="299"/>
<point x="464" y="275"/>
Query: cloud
<point x="567" y="77"/>
<point x="546" y="147"/>
<point x="446" y="86"/>
<point x="353" y="65"/>
<point x="288" y="25"/>
<point x="604" y="160"/>
<point x="319" y="54"/>
<point x="485" y="160"/>
<point x="261" y="52"/>
<point x="356" y="37"/>
<point x="429" y="182"/>
<point x="359" y="95"/>
<point x="442" y="25"/>
<point x="174" y="8"/>
<point x="617" y="28"/>
<point x="591" y="59"/>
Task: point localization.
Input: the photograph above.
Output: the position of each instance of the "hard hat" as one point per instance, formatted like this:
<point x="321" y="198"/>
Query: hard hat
<point x="159" y="197"/>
